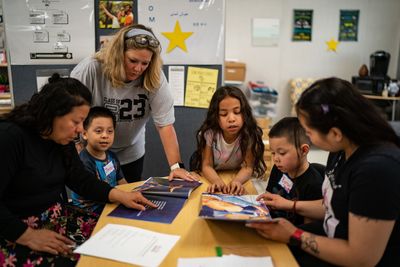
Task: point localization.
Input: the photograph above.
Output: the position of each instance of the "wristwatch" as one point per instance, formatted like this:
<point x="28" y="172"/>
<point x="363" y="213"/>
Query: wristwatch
<point x="295" y="238"/>
<point x="177" y="165"/>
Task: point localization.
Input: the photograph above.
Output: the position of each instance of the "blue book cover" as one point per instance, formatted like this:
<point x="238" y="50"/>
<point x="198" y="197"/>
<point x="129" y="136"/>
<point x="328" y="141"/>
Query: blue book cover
<point x="166" y="211"/>
<point x="233" y="208"/>
<point x="169" y="196"/>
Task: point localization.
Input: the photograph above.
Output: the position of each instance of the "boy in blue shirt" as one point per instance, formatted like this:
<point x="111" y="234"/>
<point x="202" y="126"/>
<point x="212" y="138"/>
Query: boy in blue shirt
<point x="99" y="128"/>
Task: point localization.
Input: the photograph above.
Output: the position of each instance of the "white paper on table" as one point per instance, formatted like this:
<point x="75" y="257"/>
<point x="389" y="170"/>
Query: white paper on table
<point x="129" y="244"/>
<point x="226" y="260"/>
<point x="200" y="262"/>
<point x="176" y="80"/>
<point x="239" y="261"/>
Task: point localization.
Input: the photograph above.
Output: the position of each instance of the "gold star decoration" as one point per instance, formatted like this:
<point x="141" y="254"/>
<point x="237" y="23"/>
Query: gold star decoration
<point x="332" y="45"/>
<point x="177" y="38"/>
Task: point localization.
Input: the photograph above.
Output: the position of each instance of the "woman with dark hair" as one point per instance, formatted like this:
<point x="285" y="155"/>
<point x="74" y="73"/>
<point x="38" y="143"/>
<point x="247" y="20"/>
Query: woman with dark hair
<point x="125" y="76"/>
<point x="229" y="139"/>
<point x="361" y="192"/>
<point x="37" y="227"/>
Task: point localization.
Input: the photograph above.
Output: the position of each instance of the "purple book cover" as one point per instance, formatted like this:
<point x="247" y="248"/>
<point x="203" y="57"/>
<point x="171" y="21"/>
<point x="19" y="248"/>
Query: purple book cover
<point x="168" y="209"/>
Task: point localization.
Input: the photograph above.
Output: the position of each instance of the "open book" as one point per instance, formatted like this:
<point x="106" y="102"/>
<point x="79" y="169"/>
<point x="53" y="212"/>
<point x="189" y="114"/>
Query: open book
<point x="162" y="187"/>
<point x="169" y="196"/>
<point x="233" y="208"/>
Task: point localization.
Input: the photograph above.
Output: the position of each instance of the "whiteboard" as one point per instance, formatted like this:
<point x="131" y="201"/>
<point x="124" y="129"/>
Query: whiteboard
<point x="49" y="31"/>
<point x="202" y="20"/>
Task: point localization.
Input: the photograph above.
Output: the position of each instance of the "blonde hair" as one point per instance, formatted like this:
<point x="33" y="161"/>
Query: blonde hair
<point x="112" y="56"/>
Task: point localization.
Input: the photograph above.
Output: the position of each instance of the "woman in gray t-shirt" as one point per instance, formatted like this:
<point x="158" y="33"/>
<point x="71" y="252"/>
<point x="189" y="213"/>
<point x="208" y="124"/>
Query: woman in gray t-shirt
<point x="125" y="76"/>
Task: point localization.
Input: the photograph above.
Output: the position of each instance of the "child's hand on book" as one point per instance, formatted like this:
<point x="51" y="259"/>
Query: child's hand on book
<point x="275" y="201"/>
<point x="235" y="188"/>
<point x="219" y="186"/>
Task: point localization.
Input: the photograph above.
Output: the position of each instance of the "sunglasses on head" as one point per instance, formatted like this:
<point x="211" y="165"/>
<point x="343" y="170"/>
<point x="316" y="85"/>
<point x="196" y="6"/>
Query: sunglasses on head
<point x="143" y="39"/>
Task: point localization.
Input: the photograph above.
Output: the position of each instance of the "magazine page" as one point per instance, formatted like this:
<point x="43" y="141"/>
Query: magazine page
<point x="233" y="208"/>
<point x="162" y="186"/>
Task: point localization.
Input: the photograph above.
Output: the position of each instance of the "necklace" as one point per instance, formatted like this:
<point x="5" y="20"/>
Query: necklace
<point x="331" y="173"/>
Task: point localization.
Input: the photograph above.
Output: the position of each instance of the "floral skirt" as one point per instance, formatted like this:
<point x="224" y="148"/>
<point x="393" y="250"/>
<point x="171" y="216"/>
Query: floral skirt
<point x="68" y="220"/>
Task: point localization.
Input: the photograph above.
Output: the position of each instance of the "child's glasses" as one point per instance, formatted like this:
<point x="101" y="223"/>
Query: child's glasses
<point x="143" y="39"/>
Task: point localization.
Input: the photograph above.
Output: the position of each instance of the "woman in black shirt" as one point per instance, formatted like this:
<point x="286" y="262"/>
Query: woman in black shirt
<point x="361" y="192"/>
<point x="36" y="226"/>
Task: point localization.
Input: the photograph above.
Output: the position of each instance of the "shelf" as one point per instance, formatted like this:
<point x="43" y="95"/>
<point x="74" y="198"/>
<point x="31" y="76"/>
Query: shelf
<point x="5" y="95"/>
<point x="233" y="82"/>
<point x="5" y="109"/>
<point x="5" y="103"/>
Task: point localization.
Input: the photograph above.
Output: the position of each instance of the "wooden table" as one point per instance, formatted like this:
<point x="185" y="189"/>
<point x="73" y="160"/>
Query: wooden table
<point x="199" y="237"/>
<point x="394" y="99"/>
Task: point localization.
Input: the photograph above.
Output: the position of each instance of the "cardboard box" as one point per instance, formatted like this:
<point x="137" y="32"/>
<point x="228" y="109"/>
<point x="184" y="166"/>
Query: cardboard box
<point x="235" y="71"/>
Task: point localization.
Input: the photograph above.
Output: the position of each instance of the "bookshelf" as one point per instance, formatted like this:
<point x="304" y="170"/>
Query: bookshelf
<point x="5" y="102"/>
<point x="5" y="94"/>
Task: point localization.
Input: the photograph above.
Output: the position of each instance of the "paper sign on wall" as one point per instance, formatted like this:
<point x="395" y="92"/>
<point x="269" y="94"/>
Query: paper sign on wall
<point x="200" y="86"/>
<point x="265" y="32"/>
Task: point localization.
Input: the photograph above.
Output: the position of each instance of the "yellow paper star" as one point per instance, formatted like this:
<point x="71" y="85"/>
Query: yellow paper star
<point x="177" y="38"/>
<point x="332" y="44"/>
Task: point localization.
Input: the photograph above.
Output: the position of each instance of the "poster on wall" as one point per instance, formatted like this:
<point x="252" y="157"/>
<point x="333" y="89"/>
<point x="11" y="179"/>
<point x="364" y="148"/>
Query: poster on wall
<point x="265" y="32"/>
<point x="200" y="86"/>
<point x="115" y="14"/>
<point x="302" y="25"/>
<point x="348" y="27"/>
<point x="49" y="32"/>
<point x="190" y="32"/>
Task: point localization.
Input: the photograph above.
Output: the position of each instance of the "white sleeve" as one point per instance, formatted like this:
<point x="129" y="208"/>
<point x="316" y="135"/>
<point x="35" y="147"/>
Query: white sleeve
<point x="85" y="72"/>
<point x="162" y="104"/>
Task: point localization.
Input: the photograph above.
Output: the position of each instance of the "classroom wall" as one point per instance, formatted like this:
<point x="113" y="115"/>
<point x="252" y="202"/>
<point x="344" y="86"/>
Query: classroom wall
<point x="379" y="29"/>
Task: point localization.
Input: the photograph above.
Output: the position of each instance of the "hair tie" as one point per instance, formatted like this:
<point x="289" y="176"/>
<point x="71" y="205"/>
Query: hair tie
<point x="325" y="108"/>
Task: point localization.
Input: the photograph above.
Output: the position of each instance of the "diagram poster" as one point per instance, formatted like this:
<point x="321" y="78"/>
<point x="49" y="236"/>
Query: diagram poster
<point x="348" y="28"/>
<point x="49" y="32"/>
<point x="190" y="32"/>
<point x="302" y="25"/>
